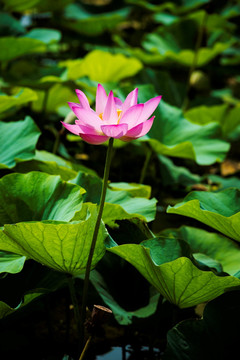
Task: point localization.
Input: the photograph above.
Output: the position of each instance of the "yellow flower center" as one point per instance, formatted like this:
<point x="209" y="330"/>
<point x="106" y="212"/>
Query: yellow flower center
<point x="119" y="114"/>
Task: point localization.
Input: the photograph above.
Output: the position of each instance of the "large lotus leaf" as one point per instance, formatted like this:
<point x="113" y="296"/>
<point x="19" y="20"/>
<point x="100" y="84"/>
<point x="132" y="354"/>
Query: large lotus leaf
<point x="11" y="263"/>
<point x="21" y="96"/>
<point x="84" y="22"/>
<point x="173" y="135"/>
<point x="228" y="118"/>
<point x="220" y="210"/>
<point x="47" y="36"/>
<point x="136" y="190"/>
<point x="179" y="281"/>
<point x="51" y="164"/>
<point x="110" y="67"/>
<point x="171" y="51"/>
<point x="17" y="141"/>
<point x="119" y="204"/>
<point x="215" y="246"/>
<point x="61" y="246"/>
<point x="37" y="196"/>
<point x="12" y="48"/>
<point x="215" y="336"/>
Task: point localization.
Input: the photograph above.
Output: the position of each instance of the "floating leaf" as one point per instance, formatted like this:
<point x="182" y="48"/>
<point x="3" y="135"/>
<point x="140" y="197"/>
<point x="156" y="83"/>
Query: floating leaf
<point x="17" y="141"/>
<point x="219" y="210"/>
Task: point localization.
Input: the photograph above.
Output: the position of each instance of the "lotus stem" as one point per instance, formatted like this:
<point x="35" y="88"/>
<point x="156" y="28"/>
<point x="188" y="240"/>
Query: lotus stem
<point x="95" y="235"/>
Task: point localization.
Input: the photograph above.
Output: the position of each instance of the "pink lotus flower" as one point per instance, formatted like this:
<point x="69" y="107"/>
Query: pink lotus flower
<point x="113" y="118"/>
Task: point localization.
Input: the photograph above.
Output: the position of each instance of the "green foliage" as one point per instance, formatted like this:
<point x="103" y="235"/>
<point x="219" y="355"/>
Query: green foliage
<point x="169" y="235"/>
<point x="18" y="141"/>
<point x="218" y="210"/>
<point x="174" y="275"/>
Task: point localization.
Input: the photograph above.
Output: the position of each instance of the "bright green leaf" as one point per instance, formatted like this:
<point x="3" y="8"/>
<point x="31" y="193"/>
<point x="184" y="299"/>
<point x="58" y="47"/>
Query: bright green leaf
<point x="17" y="141"/>
<point x="47" y="36"/>
<point x="21" y="96"/>
<point x="37" y="196"/>
<point x="103" y="67"/>
<point x="11" y="263"/>
<point x="219" y="210"/>
<point x="61" y="246"/>
<point x="179" y="281"/>
<point x="12" y="48"/>
<point x="215" y="246"/>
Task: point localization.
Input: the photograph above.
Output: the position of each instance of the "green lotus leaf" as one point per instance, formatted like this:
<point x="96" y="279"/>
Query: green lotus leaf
<point x="61" y="246"/>
<point x="173" y="135"/>
<point x="215" y="246"/>
<point x="17" y="141"/>
<point x="228" y="118"/>
<point x="11" y="263"/>
<point x="13" y="47"/>
<point x="119" y="204"/>
<point x="179" y="280"/>
<point x="77" y="18"/>
<point x="47" y="36"/>
<point x="136" y="190"/>
<point x="37" y="196"/>
<point x="111" y="67"/>
<point x="21" y="96"/>
<point x="219" y="210"/>
<point x="51" y="164"/>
